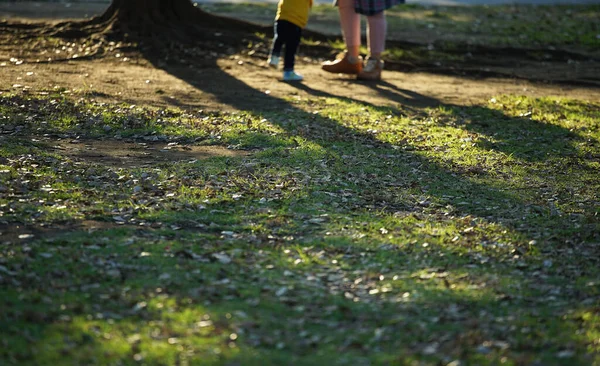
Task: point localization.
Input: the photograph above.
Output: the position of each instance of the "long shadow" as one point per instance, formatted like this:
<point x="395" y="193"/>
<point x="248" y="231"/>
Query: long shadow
<point x="508" y="134"/>
<point x="503" y="133"/>
<point x="511" y="133"/>
<point x="521" y="137"/>
<point x="401" y="323"/>
<point x="126" y="281"/>
<point x="444" y="186"/>
<point x="438" y="183"/>
<point x="433" y="180"/>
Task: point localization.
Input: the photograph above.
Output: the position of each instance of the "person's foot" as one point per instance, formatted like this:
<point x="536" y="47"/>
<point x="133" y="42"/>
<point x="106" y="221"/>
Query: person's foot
<point x="372" y="70"/>
<point x="292" y="76"/>
<point x="344" y="65"/>
<point x="273" y="61"/>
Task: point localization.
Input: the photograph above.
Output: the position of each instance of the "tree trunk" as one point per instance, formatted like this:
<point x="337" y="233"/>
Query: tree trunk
<point x="156" y="16"/>
<point x="156" y="21"/>
<point x="160" y="25"/>
<point x="158" y="11"/>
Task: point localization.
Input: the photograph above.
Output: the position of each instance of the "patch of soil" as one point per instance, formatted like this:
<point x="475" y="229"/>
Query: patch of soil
<point x="239" y="82"/>
<point x="113" y="153"/>
<point x="227" y="79"/>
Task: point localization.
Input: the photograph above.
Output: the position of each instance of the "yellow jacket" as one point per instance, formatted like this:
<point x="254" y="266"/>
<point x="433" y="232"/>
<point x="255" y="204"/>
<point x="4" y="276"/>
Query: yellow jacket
<point x="294" y="11"/>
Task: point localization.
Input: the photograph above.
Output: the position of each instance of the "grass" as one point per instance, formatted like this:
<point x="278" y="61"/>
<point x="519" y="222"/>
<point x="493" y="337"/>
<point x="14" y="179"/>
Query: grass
<point x="351" y="234"/>
<point x="563" y="26"/>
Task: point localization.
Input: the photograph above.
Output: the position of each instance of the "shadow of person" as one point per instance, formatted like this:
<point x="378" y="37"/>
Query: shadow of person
<point x="403" y="96"/>
<point x="434" y="179"/>
<point x="523" y="137"/>
<point x="385" y="178"/>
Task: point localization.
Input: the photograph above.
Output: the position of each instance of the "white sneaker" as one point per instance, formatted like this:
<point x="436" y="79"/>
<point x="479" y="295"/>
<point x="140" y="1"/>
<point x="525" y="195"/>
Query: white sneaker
<point x="373" y="64"/>
<point x="371" y="70"/>
<point x="273" y="61"/>
<point x="292" y="76"/>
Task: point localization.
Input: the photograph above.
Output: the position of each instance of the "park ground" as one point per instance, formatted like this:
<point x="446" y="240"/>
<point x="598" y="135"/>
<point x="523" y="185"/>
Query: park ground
<point x="188" y="207"/>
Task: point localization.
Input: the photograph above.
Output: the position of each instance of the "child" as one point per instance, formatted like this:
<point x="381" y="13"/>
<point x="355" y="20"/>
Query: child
<point x="292" y="16"/>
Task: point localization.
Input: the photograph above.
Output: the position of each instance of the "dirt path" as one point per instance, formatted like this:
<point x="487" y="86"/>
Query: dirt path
<point x="228" y="81"/>
<point x="237" y="83"/>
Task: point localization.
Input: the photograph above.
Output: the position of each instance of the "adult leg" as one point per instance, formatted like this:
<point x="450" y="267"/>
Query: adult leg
<point x="350" y="24"/>
<point x="376" y="32"/>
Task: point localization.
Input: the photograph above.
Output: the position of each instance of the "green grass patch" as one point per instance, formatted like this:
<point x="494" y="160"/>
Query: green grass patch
<point x="529" y="26"/>
<point x="348" y="234"/>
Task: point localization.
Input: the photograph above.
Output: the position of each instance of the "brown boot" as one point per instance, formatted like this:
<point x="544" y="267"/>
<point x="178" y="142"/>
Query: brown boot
<point x="372" y="70"/>
<point x="343" y="66"/>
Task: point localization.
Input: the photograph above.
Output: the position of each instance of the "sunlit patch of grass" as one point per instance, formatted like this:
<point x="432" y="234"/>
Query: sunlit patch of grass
<point x="490" y="144"/>
<point x="354" y="232"/>
<point x="508" y="24"/>
<point x="576" y="116"/>
<point x="175" y="336"/>
<point x="420" y="55"/>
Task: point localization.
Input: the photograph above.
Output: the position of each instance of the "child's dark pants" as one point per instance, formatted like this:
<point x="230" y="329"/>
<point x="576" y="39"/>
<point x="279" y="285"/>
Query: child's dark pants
<point x="289" y="34"/>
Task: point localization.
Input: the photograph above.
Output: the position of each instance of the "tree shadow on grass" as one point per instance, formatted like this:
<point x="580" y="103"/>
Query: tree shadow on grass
<point x="522" y="137"/>
<point x="166" y="306"/>
<point x="333" y="293"/>
<point x="517" y="138"/>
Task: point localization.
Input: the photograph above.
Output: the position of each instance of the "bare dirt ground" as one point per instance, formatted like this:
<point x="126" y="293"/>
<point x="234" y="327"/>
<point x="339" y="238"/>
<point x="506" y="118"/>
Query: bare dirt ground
<point x="240" y="82"/>
<point x="220" y="81"/>
<point x="138" y="154"/>
<point x="230" y="80"/>
<point x="225" y="79"/>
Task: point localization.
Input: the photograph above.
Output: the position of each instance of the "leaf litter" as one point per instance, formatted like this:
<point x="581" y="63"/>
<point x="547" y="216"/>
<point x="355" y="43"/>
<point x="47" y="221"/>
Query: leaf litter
<point x="336" y="257"/>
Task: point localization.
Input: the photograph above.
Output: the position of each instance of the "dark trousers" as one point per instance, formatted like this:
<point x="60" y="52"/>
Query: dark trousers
<point x="289" y="34"/>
